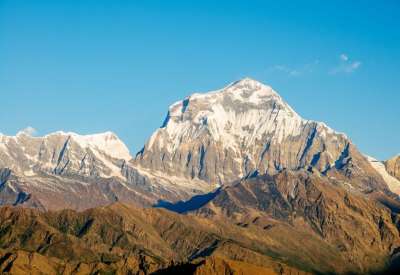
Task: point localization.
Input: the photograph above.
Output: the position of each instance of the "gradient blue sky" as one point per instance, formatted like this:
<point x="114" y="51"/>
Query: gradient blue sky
<point x="92" y="66"/>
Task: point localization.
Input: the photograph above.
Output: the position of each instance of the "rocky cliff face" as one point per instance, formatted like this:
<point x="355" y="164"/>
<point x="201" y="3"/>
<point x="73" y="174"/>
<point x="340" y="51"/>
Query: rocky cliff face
<point x="393" y="167"/>
<point x="244" y="130"/>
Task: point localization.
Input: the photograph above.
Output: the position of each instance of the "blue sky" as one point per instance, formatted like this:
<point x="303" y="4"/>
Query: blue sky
<point x="92" y="66"/>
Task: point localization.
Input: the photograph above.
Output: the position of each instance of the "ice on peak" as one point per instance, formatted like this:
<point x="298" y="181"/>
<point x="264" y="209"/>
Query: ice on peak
<point x="107" y="142"/>
<point x="245" y="110"/>
<point x="245" y="91"/>
<point x="248" y="83"/>
<point x="104" y="135"/>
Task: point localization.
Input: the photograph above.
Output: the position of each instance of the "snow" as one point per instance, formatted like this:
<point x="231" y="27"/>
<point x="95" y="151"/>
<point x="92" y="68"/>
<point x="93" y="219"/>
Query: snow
<point x="106" y="147"/>
<point x="392" y="182"/>
<point x="11" y="186"/>
<point x="175" y="182"/>
<point x="107" y="143"/>
<point x="240" y="118"/>
<point x="325" y="130"/>
<point x="102" y="145"/>
<point x="29" y="173"/>
<point x="257" y="111"/>
<point x="115" y="170"/>
<point x="3" y="147"/>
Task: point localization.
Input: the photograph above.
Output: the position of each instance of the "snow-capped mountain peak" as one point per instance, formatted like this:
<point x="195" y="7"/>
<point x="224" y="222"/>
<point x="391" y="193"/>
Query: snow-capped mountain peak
<point x="107" y="142"/>
<point x="244" y="110"/>
<point x="242" y="129"/>
<point x="64" y="152"/>
<point x="246" y="91"/>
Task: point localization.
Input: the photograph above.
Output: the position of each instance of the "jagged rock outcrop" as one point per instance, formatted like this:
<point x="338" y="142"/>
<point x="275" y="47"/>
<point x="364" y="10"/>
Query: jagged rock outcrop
<point x="246" y="129"/>
<point x="393" y="167"/>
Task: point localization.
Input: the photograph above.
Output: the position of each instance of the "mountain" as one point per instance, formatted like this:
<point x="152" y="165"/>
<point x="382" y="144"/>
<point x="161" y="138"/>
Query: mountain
<point x="247" y="129"/>
<point x="67" y="170"/>
<point x="206" y="141"/>
<point x="64" y="154"/>
<point x="258" y="189"/>
<point x="122" y="239"/>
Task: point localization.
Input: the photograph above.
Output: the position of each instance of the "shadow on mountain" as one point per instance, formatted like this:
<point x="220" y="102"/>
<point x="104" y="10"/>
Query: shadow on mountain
<point x="194" y="203"/>
<point x="394" y="265"/>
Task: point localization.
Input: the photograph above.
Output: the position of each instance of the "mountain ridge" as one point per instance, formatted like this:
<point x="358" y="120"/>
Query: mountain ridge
<point x="207" y="141"/>
<point x="67" y="170"/>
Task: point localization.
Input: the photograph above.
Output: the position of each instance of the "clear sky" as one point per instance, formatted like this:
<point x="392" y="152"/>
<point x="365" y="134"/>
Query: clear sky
<point x="92" y="66"/>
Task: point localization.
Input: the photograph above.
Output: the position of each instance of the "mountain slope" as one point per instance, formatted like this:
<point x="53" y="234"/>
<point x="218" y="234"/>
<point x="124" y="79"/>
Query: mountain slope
<point x="246" y="129"/>
<point x="357" y="229"/>
<point x="124" y="239"/>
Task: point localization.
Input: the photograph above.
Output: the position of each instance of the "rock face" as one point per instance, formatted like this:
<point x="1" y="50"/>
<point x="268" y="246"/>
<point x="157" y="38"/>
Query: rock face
<point x="246" y="129"/>
<point x="393" y="167"/>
